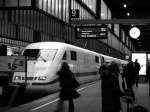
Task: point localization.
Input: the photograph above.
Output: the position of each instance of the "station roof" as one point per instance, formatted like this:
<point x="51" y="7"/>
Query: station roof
<point x="137" y="10"/>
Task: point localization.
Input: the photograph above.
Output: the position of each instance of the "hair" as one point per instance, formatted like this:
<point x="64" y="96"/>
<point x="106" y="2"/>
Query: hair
<point x="64" y="70"/>
<point x="64" y="66"/>
<point x="114" y="67"/>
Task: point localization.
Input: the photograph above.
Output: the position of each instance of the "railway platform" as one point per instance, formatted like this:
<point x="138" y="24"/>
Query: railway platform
<point x="89" y="101"/>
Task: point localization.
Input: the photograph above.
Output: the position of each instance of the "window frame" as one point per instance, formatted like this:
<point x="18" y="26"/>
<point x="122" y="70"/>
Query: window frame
<point x="73" y="55"/>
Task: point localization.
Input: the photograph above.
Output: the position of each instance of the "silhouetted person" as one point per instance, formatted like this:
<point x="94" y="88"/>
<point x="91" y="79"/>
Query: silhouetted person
<point x="67" y="91"/>
<point x="137" y="69"/>
<point x="148" y="73"/>
<point x="148" y="76"/>
<point x="110" y="88"/>
<point x="102" y="67"/>
<point x="129" y="75"/>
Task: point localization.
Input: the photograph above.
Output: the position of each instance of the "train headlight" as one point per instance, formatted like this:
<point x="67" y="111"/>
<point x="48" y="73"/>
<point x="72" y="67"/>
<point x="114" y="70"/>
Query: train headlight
<point x="17" y="77"/>
<point x="42" y="78"/>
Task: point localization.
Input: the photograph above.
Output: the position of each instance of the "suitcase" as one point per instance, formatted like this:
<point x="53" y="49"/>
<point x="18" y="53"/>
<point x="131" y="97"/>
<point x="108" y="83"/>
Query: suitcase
<point x="129" y="99"/>
<point x="130" y="103"/>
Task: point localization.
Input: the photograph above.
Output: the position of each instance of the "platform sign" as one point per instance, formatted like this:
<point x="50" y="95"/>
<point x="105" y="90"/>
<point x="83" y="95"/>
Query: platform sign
<point x="142" y="59"/>
<point x="74" y="13"/>
<point x="12" y="63"/>
<point x="91" y="32"/>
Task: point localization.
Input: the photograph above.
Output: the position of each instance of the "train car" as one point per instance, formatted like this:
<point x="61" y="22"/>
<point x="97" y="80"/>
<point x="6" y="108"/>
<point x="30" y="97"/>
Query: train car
<point x="44" y="61"/>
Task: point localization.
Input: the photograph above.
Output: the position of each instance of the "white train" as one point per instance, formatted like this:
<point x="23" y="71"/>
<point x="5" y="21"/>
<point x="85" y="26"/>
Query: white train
<point x="45" y="58"/>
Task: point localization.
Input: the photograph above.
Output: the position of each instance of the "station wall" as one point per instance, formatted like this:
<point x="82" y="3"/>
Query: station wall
<point x="44" y="23"/>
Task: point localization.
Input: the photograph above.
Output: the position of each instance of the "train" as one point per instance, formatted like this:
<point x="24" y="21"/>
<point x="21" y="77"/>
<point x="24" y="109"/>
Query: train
<point x="44" y="60"/>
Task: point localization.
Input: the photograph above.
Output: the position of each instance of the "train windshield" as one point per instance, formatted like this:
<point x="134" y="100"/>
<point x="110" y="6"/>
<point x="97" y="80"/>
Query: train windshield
<point x="40" y="54"/>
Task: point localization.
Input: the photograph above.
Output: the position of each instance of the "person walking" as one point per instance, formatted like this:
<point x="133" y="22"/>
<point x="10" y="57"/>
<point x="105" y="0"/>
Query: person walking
<point x="137" y="69"/>
<point x="67" y="92"/>
<point x="148" y="76"/>
<point x="101" y="69"/>
<point x="110" y="88"/>
<point x="129" y="75"/>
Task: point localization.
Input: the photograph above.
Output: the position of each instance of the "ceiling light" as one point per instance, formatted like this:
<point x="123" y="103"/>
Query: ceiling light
<point x="128" y="14"/>
<point x="124" y="5"/>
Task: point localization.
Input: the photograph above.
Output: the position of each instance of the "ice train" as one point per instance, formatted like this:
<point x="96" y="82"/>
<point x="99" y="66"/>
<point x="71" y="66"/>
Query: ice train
<point x="45" y="58"/>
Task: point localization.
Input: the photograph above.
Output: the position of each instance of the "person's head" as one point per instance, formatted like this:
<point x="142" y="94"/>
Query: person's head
<point x="114" y="67"/>
<point x="64" y="66"/>
<point x="136" y="60"/>
<point x="62" y="73"/>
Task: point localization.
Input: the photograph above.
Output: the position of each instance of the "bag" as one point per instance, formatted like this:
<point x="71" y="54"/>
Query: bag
<point x="75" y="83"/>
<point x="75" y="94"/>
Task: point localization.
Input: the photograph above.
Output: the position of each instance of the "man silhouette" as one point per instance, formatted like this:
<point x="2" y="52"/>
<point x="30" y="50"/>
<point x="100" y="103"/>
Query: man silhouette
<point x="137" y="69"/>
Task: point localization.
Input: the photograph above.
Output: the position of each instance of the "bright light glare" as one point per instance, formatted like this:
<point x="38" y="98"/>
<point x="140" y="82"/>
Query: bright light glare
<point x="124" y="5"/>
<point x="128" y="14"/>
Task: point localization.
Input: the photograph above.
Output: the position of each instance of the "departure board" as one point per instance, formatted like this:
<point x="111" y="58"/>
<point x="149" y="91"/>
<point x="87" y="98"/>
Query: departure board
<point x="91" y="32"/>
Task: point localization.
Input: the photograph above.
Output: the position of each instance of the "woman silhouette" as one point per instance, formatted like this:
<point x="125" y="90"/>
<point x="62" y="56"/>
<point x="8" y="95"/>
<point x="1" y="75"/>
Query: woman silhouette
<point x="67" y="91"/>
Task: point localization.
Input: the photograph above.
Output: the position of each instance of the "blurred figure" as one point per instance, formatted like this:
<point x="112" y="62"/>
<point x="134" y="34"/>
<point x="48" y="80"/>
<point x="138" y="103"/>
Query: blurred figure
<point x="102" y="68"/>
<point x="148" y="76"/>
<point x="110" y="88"/>
<point x="148" y="73"/>
<point x="67" y="91"/>
<point x="129" y="75"/>
<point x="123" y="84"/>
<point x="137" y="69"/>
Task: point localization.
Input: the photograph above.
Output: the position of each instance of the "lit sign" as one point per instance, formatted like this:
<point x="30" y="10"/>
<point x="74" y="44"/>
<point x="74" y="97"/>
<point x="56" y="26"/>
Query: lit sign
<point x="91" y="32"/>
<point x="12" y="63"/>
<point x="74" y="13"/>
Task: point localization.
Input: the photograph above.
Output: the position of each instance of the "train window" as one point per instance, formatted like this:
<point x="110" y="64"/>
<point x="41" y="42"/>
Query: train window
<point x="96" y="59"/>
<point x="102" y="60"/>
<point x="64" y="56"/>
<point x="73" y="55"/>
<point x="47" y="54"/>
<point x="32" y="54"/>
<point x="40" y="54"/>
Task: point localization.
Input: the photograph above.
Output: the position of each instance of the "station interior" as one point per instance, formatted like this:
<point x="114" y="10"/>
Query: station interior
<point x="114" y="29"/>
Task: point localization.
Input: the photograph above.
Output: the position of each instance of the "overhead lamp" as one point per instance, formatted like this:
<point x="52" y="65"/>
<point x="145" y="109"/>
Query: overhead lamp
<point x="125" y="5"/>
<point x="128" y="14"/>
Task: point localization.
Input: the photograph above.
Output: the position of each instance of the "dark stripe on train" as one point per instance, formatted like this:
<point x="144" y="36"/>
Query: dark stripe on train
<point x="51" y="82"/>
<point x="54" y="81"/>
<point x="85" y="74"/>
<point x="76" y="74"/>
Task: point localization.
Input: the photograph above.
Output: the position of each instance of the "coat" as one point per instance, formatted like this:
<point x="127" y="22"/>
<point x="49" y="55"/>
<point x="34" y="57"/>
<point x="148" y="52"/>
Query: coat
<point x="137" y="67"/>
<point x="67" y="91"/>
<point x="129" y="73"/>
<point x="111" y="92"/>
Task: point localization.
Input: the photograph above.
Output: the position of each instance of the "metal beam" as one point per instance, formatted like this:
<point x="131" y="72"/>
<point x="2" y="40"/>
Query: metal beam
<point x="113" y="21"/>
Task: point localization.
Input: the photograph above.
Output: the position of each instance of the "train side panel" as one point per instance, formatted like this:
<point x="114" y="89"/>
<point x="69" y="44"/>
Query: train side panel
<point x="83" y="63"/>
<point x="41" y="73"/>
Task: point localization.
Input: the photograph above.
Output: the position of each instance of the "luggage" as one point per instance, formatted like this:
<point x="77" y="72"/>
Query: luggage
<point x="130" y="101"/>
